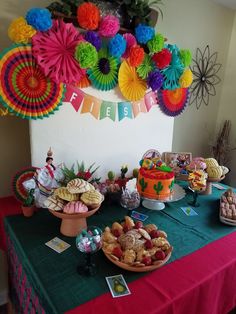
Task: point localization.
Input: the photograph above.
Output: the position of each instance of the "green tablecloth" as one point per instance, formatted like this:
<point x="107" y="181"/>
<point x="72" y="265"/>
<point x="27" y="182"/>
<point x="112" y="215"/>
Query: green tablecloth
<point x="54" y="277"/>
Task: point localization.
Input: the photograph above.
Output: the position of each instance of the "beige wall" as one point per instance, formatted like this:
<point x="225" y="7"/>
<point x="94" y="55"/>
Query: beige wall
<point x="14" y="132"/>
<point x="192" y="24"/>
<point x="227" y="109"/>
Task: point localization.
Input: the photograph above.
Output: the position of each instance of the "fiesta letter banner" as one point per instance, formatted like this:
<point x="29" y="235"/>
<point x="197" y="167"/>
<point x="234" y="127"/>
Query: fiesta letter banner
<point x="138" y="106"/>
<point x="124" y="110"/>
<point x="108" y="109"/>
<point x="91" y="104"/>
<point x="75" y="96"/>
<point x="150" y="100"/>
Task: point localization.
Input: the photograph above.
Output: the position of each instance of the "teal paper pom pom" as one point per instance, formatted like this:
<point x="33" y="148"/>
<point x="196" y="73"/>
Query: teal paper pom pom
<point x="86" y="54"/>
<point x="144" y="33"/>
<point x="117" y="46"/>
<point x="156" y="44"/>
<point x="185" y="57"/>
<point x="39" y="18"/>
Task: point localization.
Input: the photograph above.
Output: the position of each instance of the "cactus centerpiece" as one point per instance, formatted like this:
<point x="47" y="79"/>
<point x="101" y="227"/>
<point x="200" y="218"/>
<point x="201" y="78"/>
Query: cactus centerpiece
<point x="143" y="184"/>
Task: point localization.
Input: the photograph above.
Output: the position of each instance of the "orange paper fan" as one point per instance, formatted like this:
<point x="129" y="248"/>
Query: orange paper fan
<point x="131" y="85"/>
<point x="84" y="82"/>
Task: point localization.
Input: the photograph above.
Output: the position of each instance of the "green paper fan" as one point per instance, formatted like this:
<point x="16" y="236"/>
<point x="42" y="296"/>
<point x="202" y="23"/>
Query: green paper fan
<point x="104" y="75"/>
<point x="145" y="67"/>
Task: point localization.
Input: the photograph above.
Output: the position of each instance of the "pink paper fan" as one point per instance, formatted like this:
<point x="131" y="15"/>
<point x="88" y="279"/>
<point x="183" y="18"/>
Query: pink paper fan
<point x="54" y="51"/>
<point x="130" y="41"/>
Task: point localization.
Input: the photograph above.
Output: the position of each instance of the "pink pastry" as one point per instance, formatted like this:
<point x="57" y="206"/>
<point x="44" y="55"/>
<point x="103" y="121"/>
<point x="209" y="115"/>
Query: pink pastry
<point x="197" y="163"/>
<point x="75" y="207"/>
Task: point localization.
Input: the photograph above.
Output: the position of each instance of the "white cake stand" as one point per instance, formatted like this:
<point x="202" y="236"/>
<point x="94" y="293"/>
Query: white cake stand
<point x="178" y="194"/>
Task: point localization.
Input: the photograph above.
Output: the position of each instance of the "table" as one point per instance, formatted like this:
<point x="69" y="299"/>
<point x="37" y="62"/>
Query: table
<point x="199" y="280"/>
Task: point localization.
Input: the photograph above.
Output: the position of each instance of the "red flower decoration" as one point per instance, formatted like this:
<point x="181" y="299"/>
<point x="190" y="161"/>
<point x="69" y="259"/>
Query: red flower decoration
<point x="88" y="16"/>
<point x="163" y="58"/>
<point x="136" y="55"/>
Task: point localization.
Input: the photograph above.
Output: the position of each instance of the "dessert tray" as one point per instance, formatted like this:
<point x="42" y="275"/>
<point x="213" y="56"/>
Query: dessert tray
<point x="136" y="247"/>
<point x="228" y="208"/>
<point x="178" y="194"/>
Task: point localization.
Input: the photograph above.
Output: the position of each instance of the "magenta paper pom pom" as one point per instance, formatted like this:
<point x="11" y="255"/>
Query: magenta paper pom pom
<point x="130" y="41"/>
<point x="109" y="26"/>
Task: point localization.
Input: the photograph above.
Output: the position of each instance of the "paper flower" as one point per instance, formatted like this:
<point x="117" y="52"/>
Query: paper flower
<point x="186" y="78"/>
<point x="20" y="32"/>
<point x="109" y="26"/>
<point x="39" y="18"/>
<point x="88" y="16"/>
<point x="104" y="74"/>
<point x="163" y="58"/>
<point x="86" y="54"/>
<point x="185" y="57"/>
<point x="136" y="55"/>
<point x="144" y="33"/>
<point x="173" y="72"/>
<point x="145" y="67"/>
<point x="131" y="85"/>
<point x="130" y="41"/>
<point x="84" y="82"/>
<point x="156" y="44"/>
<point x="155" y="80"/>
<point x="94" y="39"/>
<point x="54" y="51"/>
<point x="117" y="46"/>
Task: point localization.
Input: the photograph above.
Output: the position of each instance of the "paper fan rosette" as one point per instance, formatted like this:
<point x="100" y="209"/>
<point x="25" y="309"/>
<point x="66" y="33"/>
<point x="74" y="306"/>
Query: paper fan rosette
<point x="21" y="176"/>
<point x="104" y="74"/>
<point x="173" y="102"/>
<point x="54" y="51"/>
<point x="24" y="89"/>
<point x="131" y="85"/>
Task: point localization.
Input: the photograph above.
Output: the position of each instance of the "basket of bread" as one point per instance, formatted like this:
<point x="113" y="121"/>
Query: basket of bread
<point x="228" y="208"/>
<point x="136" y="247"/>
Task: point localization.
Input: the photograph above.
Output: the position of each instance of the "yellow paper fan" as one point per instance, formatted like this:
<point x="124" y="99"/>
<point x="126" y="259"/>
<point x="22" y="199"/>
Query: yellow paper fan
<point x="131" y="85"/>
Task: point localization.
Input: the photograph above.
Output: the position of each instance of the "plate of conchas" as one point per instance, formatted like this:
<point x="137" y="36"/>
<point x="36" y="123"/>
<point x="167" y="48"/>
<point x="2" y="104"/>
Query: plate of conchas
<point x="136" y="247"/>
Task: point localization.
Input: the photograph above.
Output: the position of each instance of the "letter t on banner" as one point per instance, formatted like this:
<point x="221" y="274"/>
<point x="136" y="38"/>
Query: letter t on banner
<point x="75" y="96"/>
<point x="139" y="106"/>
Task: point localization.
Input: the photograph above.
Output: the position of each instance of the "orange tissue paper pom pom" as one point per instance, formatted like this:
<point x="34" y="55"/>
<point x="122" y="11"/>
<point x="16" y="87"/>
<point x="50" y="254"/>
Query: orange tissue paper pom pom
<point x="20" y="32"/>
<point x="136" y="55"/>
<point x="88" y="16"/>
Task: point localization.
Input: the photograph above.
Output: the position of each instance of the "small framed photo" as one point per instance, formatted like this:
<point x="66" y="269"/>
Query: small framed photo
<point x="117" y="286"/>
<point x="177" y="160"/>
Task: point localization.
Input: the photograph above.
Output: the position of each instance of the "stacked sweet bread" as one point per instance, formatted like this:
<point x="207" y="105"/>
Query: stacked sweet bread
<point x="228" y="205"/>
<point x="134" y="244"/>
<point x="214" y="170"/>
<point x="79" y="196"/>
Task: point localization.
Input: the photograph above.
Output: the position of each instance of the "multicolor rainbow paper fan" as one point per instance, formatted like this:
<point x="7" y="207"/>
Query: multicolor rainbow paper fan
<point x="24" y="89"/>
<point x="104" y="74"/>
<point x="18" y="189"/>
<point x="173" y="102"/>
<point x="131" y="85"/>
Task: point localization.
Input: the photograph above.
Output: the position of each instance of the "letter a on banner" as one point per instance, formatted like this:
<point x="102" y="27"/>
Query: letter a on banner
<point x="108" y="109"/>
<point x="75" y="96"/>
<point x="124" y="110"/>
<point x="138" y="106"/>
<point x="150" y="100"/>
<point x="91" y="104"/>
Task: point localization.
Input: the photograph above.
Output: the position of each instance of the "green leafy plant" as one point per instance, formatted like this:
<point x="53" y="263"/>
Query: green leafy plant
<point x="111" y="175"/>
<point x="143" y="184"/>
<point x="29" y="201"/>
<point x="158" y="187"/>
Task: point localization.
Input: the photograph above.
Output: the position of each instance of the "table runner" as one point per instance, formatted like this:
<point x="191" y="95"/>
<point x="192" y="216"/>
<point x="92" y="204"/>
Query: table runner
<point x="53" y="276"/>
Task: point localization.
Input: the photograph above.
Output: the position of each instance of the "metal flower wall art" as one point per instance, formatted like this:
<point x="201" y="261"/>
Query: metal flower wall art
<point x="204" y="68"/>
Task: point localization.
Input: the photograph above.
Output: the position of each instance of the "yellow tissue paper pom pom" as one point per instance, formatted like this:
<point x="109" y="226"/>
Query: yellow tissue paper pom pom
<point x="186" y="78"/>
<point x="20" y="32"/>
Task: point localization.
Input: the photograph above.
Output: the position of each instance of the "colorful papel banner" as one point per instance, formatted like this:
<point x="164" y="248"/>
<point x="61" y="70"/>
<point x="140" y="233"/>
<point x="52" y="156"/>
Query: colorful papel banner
<point x="124" y="110"/>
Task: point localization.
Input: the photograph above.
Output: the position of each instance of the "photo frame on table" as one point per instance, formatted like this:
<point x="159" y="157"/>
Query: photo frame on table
<point x="177" y="159"/>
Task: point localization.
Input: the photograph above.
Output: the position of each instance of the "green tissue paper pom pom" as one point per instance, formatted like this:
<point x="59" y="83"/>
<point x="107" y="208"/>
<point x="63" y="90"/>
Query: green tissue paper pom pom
<point x="86" y="54"/>
<point x="185" y="57"/>
<point x="156" y="44"/>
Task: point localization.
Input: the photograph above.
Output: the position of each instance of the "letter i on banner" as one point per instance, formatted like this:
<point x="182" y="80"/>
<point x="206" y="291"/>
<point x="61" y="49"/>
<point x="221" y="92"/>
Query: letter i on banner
<point x="138" y="106"/>
<point x="108" y="109"/>
<point x="150" y="100"/>
<point x="75" y="96"/>
<point x="124" y="110"/>
<point x="91" y="104"/>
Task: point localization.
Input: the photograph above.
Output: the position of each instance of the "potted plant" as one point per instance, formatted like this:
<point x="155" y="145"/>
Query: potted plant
<point x="28" y="204"/>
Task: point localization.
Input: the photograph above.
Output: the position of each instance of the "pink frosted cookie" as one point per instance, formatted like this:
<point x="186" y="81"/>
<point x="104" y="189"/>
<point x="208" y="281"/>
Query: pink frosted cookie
<point x="75" y="207"/>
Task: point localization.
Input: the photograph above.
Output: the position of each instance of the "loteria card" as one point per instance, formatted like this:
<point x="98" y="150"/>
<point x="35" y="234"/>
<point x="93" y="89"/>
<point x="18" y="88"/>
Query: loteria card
<point x="138" y="216"/>
<point x="117" y="286"/>
<point x="58" y="245"/>
<point x="189" y="211"/>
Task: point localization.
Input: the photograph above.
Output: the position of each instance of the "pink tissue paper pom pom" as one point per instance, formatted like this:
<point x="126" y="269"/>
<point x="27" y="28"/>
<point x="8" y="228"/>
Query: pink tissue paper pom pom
<point x="130" y="41"/>
<point x="109" y="26"/>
